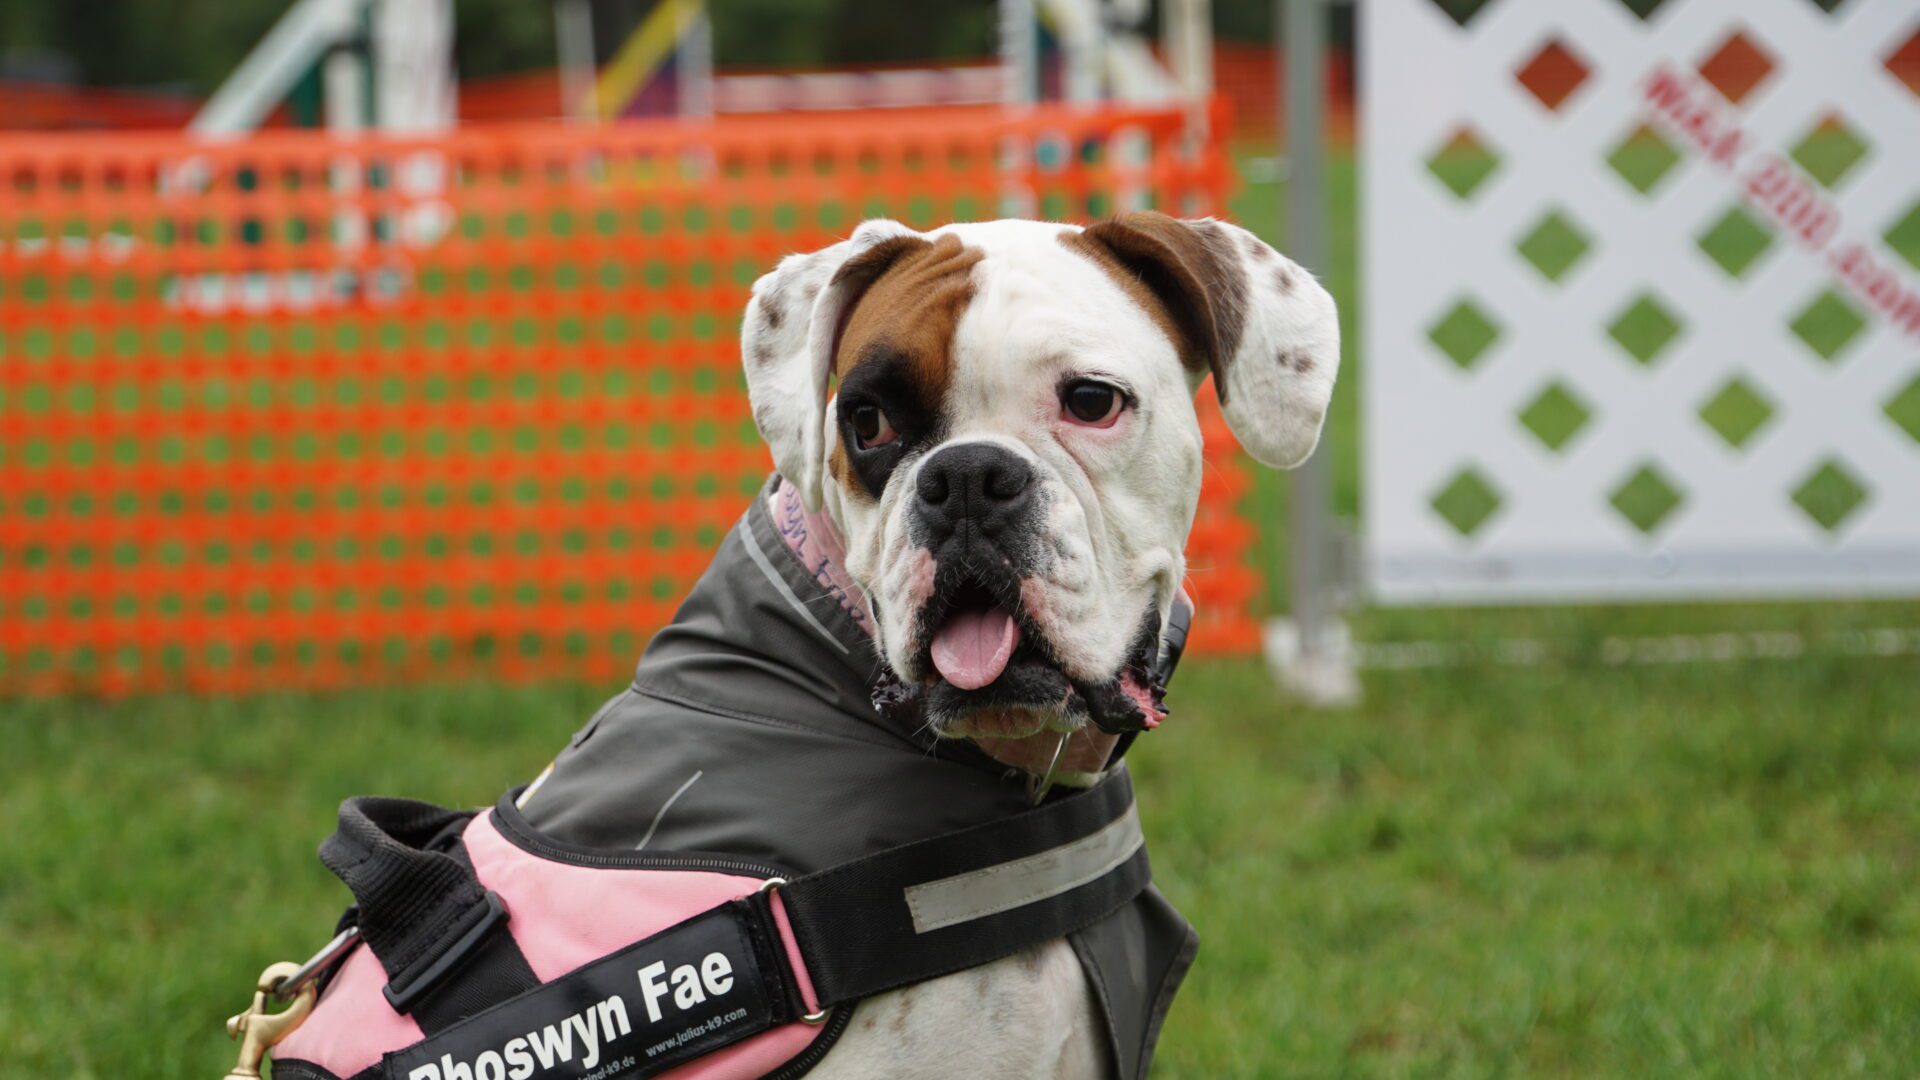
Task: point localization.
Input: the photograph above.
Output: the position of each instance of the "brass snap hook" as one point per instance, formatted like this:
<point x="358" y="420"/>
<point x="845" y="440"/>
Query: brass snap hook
<point x="258" y="1030"/>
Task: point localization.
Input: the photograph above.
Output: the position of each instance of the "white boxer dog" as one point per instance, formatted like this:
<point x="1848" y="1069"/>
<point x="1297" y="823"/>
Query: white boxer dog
<point x="995" y="422"/>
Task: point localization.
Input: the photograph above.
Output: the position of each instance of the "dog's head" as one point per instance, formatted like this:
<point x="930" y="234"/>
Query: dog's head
<point x="999" y="418"/>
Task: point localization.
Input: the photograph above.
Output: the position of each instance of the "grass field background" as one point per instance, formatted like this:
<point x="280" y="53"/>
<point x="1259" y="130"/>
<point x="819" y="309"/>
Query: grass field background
<point x="1574" y="870"/>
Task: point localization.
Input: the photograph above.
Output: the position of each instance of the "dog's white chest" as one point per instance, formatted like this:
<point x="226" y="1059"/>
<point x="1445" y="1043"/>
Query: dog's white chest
<point x="1030" y="1015"/>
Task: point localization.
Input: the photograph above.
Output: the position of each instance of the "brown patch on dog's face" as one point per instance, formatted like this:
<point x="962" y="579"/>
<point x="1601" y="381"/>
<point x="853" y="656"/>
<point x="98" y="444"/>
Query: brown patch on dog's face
<point x="1136" y="289"/>
<point x="911" y="308"/>
<point x="1186" y="274"/>
<point x="895" y="346"/>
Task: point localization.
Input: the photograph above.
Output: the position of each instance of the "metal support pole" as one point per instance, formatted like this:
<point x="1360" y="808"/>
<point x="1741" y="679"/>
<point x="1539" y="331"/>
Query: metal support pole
<point x="1309" y="651"/>
<point x="1081" y="32"/>
<point x="1019" y="53"/>
<point x="413" y="84"/>
<point x="344" y="82"/>
<point x="1187" y="33"/>
<point x="1302" y="40"/>
<point x="693" y="67"/>
<point x="573" y="38"/>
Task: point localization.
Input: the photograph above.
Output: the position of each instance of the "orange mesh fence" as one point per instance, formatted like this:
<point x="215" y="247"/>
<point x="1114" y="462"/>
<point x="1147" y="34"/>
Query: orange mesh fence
<point x="295" y="412"/>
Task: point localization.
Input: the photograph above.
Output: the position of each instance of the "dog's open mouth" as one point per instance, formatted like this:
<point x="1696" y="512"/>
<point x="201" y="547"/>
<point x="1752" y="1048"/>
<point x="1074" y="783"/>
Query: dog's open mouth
<point x="974" y="634"/>
<point x="990" y="671"/>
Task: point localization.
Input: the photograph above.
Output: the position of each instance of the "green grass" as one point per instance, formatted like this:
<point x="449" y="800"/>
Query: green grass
<point x="1679" y="872"/>
<point x="1694" y="871"/>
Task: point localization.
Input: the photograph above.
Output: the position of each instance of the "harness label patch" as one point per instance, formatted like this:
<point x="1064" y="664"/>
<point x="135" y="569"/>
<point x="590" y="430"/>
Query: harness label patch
<point x="687" y="990"/>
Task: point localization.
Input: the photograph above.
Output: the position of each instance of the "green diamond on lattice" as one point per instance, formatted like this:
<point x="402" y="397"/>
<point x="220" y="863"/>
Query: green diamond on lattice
<point x="1461" y="11"/>
<point x="1830" y="495"/>
<point x="1555" y="416"/>
<point x="1645" y="328"/>
<point x="1903" y="409"/>
<point x="1646" y="498"/>
<point x="1467" y="501"/>
<point x="1735" y="241"/>
<point x="1830" y="150"/>
<point x="1553" y="246"/>
<point x="1736" y="412"/>
<point x="1642" y="8"/>
<point x="1903" y="236"/>
<point x="1464" y="163"/>
<point x="1827" y="324"/>
<point x="1643" y="158"/>
<point x="1464" y="333"/>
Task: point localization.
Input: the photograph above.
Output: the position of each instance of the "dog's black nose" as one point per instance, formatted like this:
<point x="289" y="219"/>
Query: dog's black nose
<point x="978" y="483"/>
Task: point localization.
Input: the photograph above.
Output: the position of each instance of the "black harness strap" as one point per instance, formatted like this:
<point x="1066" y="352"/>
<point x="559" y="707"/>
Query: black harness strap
<point x="927" y="909"/>
<point x="423" y="912"/>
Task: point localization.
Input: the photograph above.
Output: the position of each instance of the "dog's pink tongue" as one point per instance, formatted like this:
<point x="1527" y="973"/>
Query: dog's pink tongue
<point x="973" y="648"/>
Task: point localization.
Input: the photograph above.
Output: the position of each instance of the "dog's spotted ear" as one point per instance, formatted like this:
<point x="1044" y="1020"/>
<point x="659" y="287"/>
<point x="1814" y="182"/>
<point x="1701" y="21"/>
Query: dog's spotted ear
<point x="788" y="337"/>
<point x="1241" y="311"/>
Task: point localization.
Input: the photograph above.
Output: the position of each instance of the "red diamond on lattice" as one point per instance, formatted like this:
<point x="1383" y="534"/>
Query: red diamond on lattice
<point x="1904" y="62"/>
<point x="1737" y="66"/>
<point x="1553" y="74"/>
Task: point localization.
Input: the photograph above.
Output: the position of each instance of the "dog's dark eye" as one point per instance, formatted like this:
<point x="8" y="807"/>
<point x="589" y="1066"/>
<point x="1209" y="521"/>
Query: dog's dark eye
<point x="1093" y="403"/>
<point x="871" y="427"/>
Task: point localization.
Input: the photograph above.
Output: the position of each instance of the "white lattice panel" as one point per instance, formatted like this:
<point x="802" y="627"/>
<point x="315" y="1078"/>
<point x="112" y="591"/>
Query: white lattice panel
<point x="1613" y="350"/>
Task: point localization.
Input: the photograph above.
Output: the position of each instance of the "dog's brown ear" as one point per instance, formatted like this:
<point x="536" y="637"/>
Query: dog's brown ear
<point x="1238" y="310"/>
<point x="787" y="340"/>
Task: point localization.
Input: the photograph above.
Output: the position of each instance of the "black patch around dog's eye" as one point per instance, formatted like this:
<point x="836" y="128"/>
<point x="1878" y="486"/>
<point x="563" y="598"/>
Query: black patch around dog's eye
<point x="885" y="383"/>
